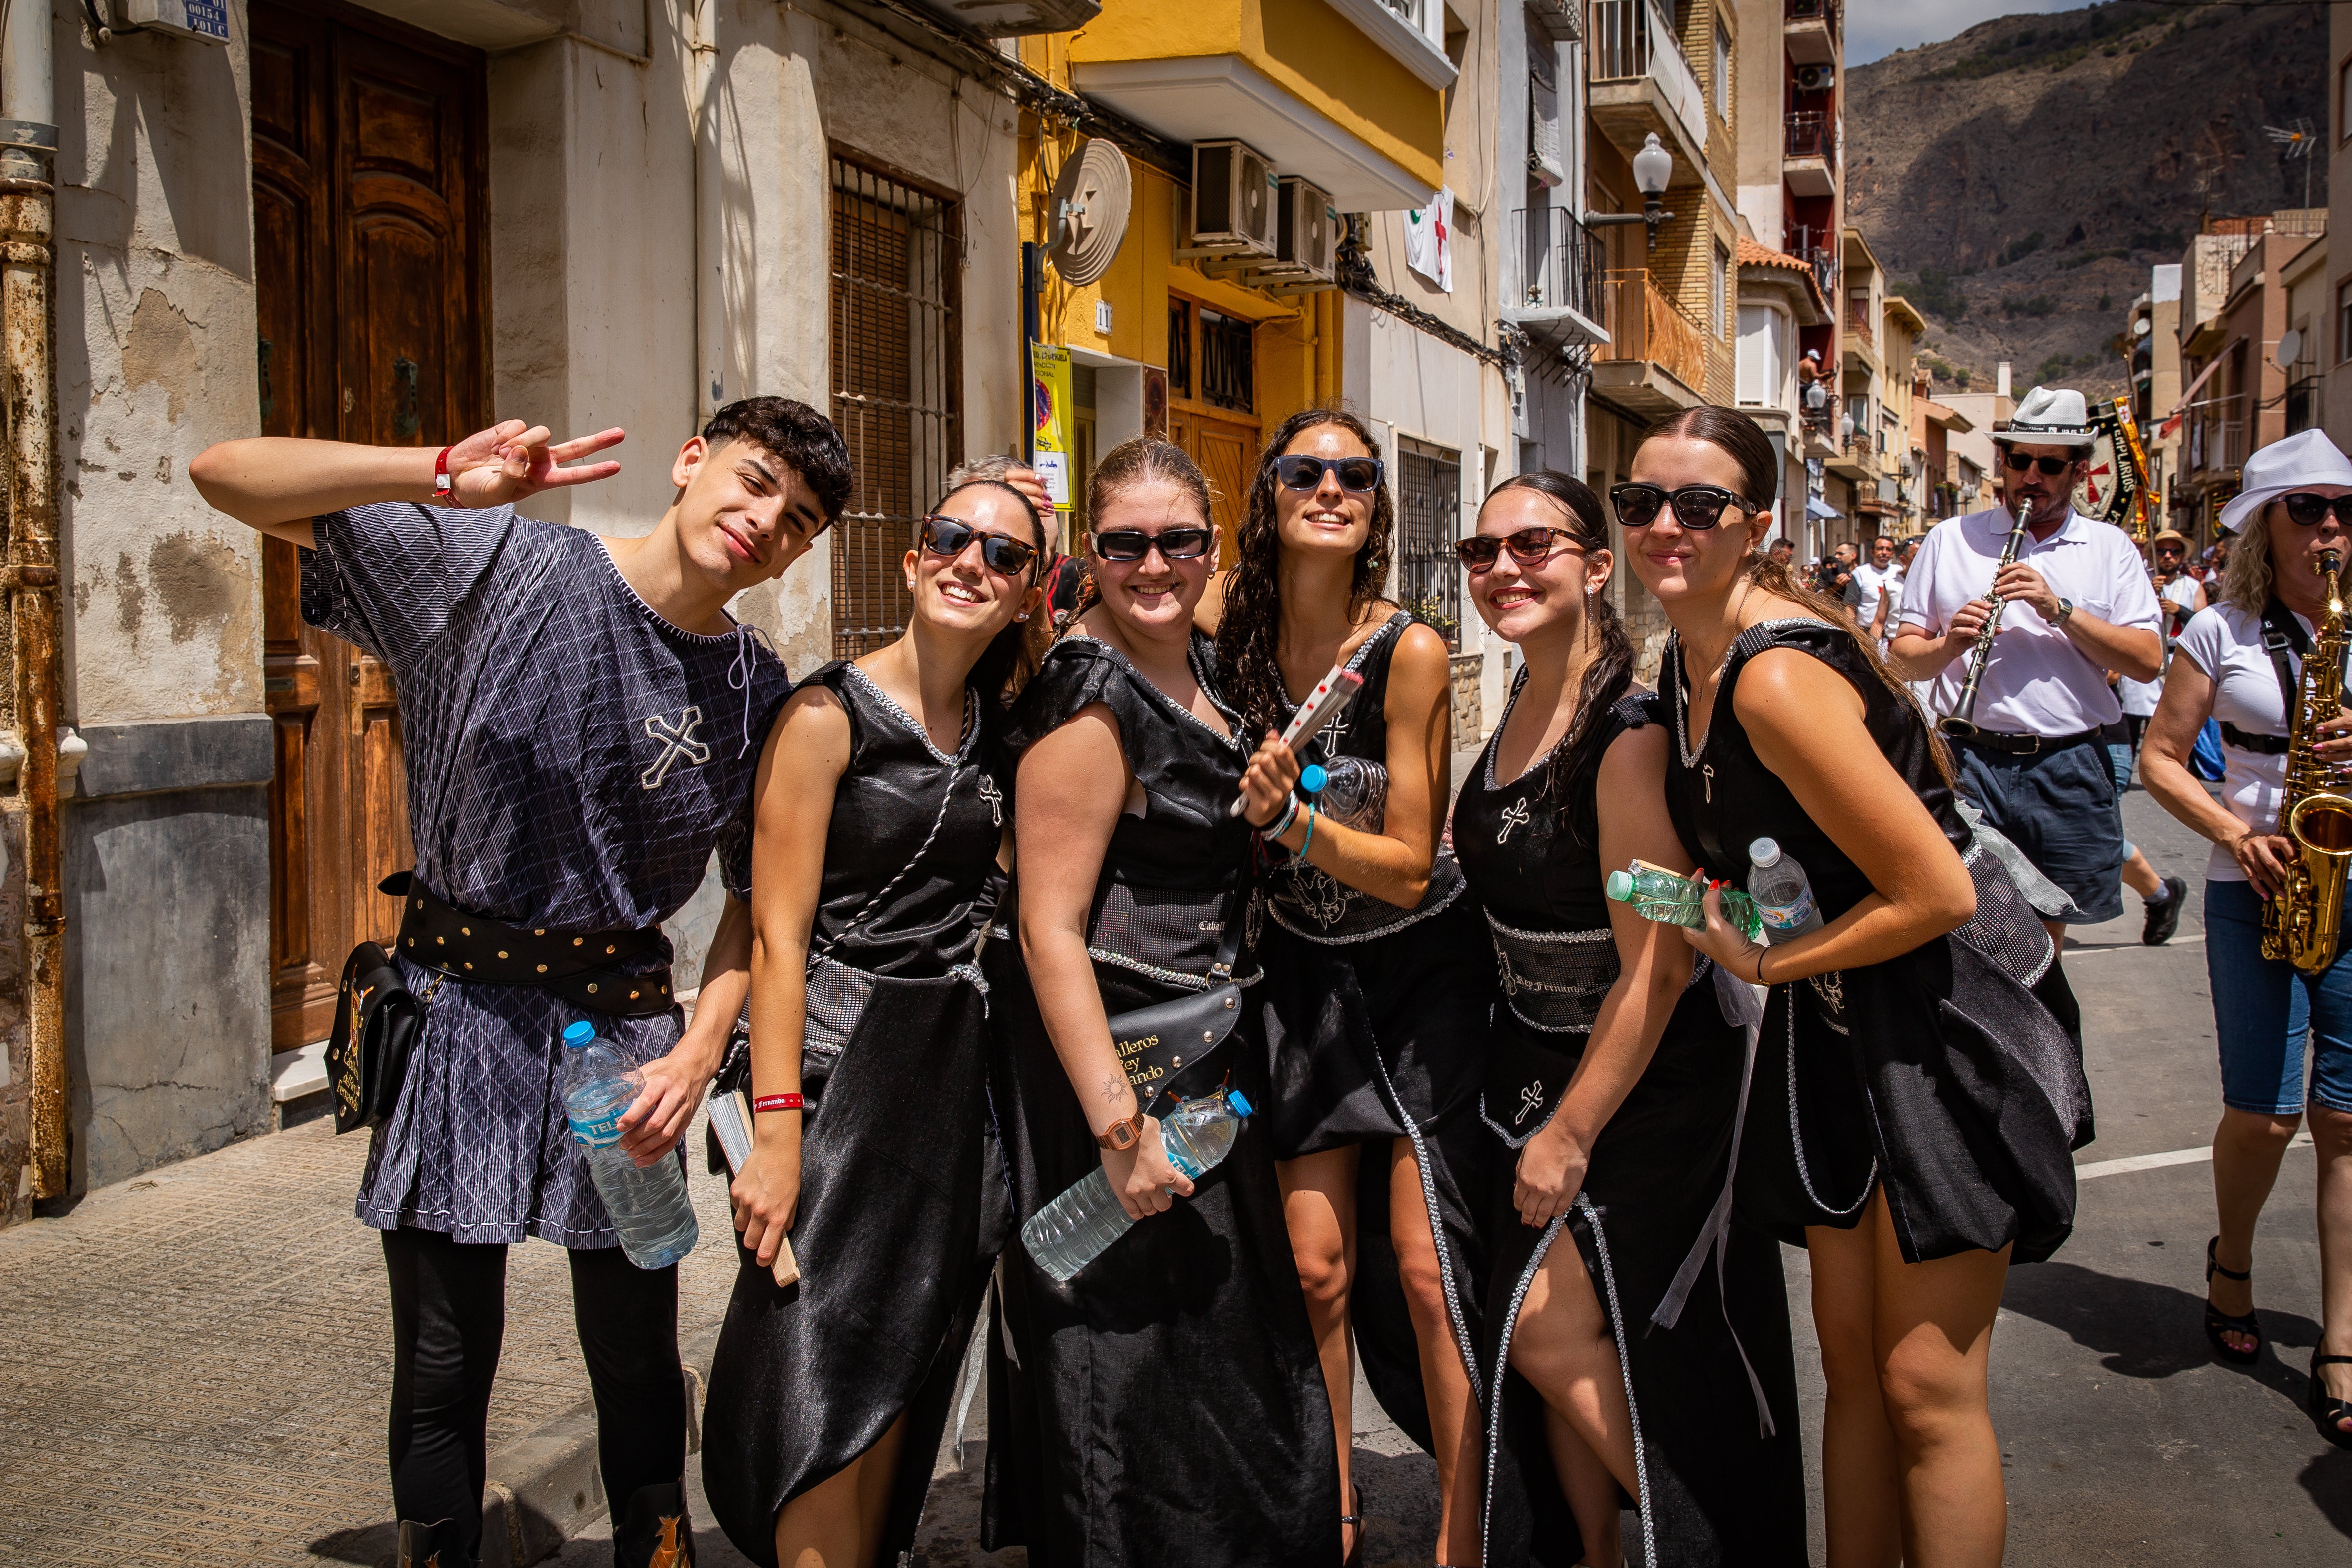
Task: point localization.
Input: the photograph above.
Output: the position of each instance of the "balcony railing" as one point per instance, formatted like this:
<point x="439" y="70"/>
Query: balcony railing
<point x="1645" y="323"/>
<point x="2303" y="402"/>
<point x="1811" y="134"/>
<point x="1618" y="43"/>
<point x="1560" y="262"/>
<point x="1813" y="11"/>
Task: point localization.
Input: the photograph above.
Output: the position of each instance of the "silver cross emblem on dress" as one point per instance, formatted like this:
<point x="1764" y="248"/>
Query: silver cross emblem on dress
<point x="1530" y="1098"/>
<point x="1514" y="815"/>
<point x="994" y="796"/>
<point x="677" y="741"/>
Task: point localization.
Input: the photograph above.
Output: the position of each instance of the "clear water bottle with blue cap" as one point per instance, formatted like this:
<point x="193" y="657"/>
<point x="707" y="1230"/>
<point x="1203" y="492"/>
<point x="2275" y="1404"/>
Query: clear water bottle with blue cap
<point x="1073" y="1230"/>
<point x="1348" y="790"/>
<point x="1783" y="893"/>
<point x="649" y="1202"/>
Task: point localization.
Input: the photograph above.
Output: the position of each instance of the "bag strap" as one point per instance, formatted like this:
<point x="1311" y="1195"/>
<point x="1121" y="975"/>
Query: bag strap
<point x="2281" y="633"/>
<point x="947" y="798"/>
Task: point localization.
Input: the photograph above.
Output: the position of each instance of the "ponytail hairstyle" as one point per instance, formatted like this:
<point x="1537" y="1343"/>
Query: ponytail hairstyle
<point x="1249" y="628"/>
<point x="1012" y="655"/>
<point x="1133" y="463"/>
<point x="1759" y="468"/>
<point x="1611" y="674"/>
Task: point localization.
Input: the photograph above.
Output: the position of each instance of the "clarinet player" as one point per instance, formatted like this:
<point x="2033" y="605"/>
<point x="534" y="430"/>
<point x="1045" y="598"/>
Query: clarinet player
<point x="2078" y="604"/>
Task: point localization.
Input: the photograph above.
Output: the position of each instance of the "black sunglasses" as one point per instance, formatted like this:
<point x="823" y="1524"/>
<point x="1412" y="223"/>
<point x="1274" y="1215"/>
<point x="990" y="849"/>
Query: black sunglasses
<point x="1173" y="544"/>
<point x="1300" y="472"/>
<point x="947" y="536"/>
<point x="2306" y="510"/>
<point x="1528" y="547"/>
<point x="2021" y="461"/>
<point x="1695" y="506"/>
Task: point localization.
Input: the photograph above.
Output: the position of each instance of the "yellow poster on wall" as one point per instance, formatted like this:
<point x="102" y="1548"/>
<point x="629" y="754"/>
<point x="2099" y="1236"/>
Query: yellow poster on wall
<point x="1050" y="404"/>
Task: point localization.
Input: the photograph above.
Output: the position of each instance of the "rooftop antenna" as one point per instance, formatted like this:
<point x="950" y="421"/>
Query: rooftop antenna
<point x="2295" y="141"/>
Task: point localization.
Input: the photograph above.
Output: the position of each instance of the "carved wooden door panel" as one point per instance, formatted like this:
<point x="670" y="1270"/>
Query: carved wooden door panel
<point x="368" y="191"/>
<point x="1226" y="452"/>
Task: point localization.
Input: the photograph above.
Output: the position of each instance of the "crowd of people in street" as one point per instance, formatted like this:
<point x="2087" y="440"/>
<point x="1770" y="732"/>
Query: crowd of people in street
<point x="1008" y="894"/>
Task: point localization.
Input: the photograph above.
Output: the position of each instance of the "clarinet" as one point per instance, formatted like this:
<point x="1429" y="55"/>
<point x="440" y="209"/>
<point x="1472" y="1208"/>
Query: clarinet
<point x="1958" y="724"/>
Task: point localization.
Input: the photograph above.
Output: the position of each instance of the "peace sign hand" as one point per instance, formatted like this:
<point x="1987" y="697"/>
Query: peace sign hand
<point x="510" y="462"/>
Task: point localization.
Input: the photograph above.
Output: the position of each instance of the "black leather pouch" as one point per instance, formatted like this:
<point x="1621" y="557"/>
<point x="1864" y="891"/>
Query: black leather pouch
<point x="377" y="1020"/>
<point x="1156" y="1044"/>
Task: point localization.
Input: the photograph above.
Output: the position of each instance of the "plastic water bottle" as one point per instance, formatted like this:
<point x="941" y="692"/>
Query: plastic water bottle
<point x="1073" y="1230"/>
<point x="649" y="1202"/>
<point x="1348" y="790"/>
<point x="1670" y="898"/>
<point x="1784" y="895"/>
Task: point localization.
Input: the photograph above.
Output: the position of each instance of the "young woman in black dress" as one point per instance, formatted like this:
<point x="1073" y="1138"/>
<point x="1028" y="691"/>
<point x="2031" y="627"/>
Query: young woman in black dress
<point x="1378" y="977"/>
<point x="1612" y="1091"/>
<point x="1165" y="1406"/>
<point x="875" y="864"/>
<point x="1918" y="1091"/>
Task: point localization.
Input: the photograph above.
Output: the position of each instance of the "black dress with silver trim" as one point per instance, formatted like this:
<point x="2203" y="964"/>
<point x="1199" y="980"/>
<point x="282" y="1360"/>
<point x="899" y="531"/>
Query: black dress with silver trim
<point x="1953" y="1073"/>
<point x="1166" y="1406"/>
<point x="900" y="1212"/>
<point x="1714" y="1487"/>
<point x="1376" y="1022"/>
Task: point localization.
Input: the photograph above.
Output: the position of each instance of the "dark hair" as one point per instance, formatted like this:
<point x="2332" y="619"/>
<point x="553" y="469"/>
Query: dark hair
<point x="1250" y="628"/>
<point x="1610" y="673"/>
<point x="1012" y="655"/>
<point x="1139" y="461"/>
<point x="794" y="433"/>
<point x="1738" y="434"/>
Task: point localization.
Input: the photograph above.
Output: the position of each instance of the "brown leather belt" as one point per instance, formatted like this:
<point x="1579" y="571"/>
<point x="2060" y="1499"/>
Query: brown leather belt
<point x="583" y="968"/>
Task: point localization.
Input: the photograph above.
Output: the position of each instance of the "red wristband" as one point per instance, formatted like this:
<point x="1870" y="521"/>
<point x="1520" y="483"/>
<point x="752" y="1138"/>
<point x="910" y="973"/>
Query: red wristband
<point x="441" y="478"/>
<point x="779" y="1102"/>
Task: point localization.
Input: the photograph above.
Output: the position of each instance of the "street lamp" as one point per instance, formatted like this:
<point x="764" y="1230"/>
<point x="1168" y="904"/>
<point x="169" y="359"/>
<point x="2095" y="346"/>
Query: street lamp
<point x="1816" y="398"/>
<point x="1846" y="427"/>
<point x="1653" y="166"/>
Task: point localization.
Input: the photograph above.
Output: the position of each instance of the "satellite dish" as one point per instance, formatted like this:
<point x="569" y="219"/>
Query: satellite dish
<point x="1091" y="206"/>
<point x="2289" y="349"/>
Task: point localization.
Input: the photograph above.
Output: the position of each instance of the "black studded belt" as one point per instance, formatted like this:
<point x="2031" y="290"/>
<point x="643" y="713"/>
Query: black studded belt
<point x="582" y="968"/>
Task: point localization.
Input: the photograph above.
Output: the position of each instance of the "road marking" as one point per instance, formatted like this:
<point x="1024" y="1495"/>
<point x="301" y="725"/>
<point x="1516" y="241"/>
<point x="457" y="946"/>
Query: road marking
<point x="2157" y="1161"/>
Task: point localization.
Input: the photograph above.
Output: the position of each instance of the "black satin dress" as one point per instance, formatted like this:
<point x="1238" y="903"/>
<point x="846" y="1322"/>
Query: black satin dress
<point x="1376" y="1028"/>
<point x="1716" y="1487"/>
<point x="1952" y="1074"/>
<point x="1166" y="1407"/>
<point x="901" y="1211"/>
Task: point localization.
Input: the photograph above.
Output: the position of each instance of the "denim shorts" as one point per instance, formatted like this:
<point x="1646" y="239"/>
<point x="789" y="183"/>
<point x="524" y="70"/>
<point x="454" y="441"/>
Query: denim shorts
<point x="2264" y="1009"/>
<point x="2061" y="808"/>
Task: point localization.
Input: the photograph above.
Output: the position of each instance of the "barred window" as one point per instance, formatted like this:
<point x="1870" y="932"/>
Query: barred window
<point x="1428" y="516"/>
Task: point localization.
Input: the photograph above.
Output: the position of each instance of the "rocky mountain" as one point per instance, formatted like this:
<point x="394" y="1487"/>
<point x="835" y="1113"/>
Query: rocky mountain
<point x="2018" y="182"/>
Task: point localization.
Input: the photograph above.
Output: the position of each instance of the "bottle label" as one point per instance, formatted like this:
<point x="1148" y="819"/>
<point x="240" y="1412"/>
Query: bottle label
<point x="599" y="1132"/>
<point x="1791" y="916"/>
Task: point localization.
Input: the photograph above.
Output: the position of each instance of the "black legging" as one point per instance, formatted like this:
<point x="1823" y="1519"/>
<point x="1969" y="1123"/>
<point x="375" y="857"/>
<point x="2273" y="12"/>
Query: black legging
<point x="448" y="1317"/>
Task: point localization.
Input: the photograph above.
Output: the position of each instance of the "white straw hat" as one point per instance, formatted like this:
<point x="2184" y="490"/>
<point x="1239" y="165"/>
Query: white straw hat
<point x="2050" y="416"/>
<point x="2306" y="458"/>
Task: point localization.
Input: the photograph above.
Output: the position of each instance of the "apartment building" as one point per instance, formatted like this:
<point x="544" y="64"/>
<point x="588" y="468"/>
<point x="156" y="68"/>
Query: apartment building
<point x="2336" y="388"/>
<point x="2153" y="326"/>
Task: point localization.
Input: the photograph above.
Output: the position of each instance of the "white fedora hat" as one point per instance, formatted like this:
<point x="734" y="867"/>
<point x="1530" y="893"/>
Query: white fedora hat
<point x="2050" y="416"/>
<point x="2306" y="458"/>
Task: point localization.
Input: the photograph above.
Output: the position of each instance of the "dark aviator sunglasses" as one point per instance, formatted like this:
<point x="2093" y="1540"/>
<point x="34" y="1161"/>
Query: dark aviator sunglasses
<point x="1528" y="547"/>
<point x="2019" y="461"/>
<point x="1297" y="471"/>
<point x="1697" y="507"/>
<point x="1173" y="544"/>
<point x="2308" y="508"/>
<point x="947" y="536"/>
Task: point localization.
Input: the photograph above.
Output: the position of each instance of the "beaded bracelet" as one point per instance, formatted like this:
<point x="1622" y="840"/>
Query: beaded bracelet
<point x="1309" y="844"/>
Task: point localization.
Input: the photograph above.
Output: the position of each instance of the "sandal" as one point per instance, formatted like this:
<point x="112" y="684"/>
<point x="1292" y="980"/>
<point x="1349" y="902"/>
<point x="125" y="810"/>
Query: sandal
<point x="1356" y="1552"/>
<point x="2327" y="1410"/>
<point x="2219" y="1322"/>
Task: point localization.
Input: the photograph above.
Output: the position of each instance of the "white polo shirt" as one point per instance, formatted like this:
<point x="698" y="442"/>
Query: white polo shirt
<point x="1873" y="581"/>
<point x="2036" y="682"/>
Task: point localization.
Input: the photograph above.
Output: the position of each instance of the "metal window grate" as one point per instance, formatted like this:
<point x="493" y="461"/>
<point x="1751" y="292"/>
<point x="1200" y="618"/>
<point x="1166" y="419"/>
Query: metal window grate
<point x="898" y="357"/>
<point x="1179" y="348"/>
<point x="1226" y="371"/>
<point x="1429" y="513"/>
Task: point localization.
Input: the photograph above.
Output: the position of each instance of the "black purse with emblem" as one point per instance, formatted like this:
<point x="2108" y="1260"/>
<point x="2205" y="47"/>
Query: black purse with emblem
<point x="1159" y="1044"/>
<point x="377" y="1020"/>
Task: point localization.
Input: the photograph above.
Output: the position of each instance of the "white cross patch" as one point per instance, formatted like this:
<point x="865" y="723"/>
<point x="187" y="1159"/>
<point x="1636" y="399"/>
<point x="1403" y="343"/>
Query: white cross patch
<point x="1514" y="815"/>
<point x="1530" y="1097"/>
<point x="995" y="798"/>
<point x="677" y="741"/>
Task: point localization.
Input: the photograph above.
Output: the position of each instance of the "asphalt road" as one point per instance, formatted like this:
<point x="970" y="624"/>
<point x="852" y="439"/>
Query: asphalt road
<point x="2125" y="1442"/>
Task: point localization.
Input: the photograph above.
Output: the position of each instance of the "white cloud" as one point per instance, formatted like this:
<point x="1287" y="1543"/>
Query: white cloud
<point x="1876" y="27"/>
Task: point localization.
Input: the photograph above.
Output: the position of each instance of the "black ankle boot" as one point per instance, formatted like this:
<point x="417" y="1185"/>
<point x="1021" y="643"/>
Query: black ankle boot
<point x="654" y="1530"/>
<point x="435" y="1545"/>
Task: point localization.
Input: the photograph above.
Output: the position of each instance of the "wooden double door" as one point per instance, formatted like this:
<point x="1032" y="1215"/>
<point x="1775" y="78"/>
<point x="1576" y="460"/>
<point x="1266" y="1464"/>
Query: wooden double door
<point x="370" y="241"/>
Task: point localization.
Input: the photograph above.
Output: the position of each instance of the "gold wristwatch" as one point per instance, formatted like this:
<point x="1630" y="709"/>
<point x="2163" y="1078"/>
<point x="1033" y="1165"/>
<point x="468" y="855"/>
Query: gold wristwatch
<point x="1122" y="1136"/>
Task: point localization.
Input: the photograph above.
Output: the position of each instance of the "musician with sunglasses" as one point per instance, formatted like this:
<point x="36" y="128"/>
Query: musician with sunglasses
<point x="2030" y="755"/>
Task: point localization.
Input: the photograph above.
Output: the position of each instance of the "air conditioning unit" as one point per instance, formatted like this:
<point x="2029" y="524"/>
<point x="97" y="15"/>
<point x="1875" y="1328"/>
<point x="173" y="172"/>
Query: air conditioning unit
<point x="1234" y="194"/>
<point x="1306" y="231"/>
<point x="1816" y="79"/>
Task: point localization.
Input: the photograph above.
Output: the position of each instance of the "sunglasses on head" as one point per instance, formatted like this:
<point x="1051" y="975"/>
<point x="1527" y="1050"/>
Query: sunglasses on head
<point x="1695" y="506"/>
<point x="1528" y="547"/>
<point x="2021" y="461"/>
<point x="2305" y="509"/>
<point x="1173" y="544"/>
<point x="947" y="536"/>
<point x="1298" y="471"/>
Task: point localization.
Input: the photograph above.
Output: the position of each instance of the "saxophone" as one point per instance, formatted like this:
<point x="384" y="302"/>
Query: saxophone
<point x="2305" y="921"/>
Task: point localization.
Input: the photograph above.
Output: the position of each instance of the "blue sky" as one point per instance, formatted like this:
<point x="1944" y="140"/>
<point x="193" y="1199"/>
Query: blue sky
<point x="1876" y="27"/>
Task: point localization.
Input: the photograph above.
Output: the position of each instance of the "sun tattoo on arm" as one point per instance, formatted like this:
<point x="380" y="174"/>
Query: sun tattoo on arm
<point x="1111" y="1085"/>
